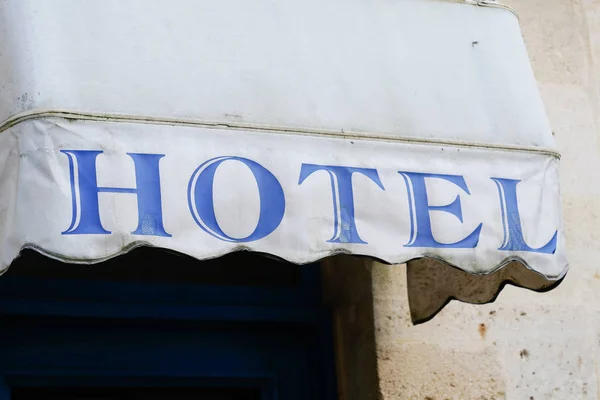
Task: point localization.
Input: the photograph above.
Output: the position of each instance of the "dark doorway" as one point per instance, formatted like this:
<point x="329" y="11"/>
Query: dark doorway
<point x="153" y="325"/>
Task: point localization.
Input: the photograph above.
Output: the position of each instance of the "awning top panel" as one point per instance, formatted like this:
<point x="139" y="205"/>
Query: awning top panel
<point x="425" y="69"/>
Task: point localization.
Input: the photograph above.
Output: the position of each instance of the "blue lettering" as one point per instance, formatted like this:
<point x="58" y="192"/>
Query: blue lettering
<point x="85" y="190"/>
<point x="200" y="199"/>
<point x="419" y="207"/>
<point x="511" y="220"/>
<point x="343" y="198"/>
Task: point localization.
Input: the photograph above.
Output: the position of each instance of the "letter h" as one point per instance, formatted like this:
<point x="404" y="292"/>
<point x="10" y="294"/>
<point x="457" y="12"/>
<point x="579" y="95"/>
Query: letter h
<point x="85" y="191"/>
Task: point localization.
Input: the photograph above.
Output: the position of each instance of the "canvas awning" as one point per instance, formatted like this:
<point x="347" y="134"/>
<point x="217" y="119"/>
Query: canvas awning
<point x="302" y="129"/>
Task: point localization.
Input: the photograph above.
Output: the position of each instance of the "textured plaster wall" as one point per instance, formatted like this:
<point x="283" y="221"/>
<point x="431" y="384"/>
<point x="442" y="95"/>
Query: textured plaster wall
<point x="525" y="345"/>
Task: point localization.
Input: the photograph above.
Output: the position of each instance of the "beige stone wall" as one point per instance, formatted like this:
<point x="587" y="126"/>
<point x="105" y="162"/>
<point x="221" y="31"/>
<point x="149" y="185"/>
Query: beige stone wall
<point x="526" y="345"/>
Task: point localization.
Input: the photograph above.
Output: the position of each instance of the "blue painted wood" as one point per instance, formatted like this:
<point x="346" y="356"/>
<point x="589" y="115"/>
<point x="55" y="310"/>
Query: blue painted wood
<point x="76" y="348"/>
<point x="265" y="387"/>
<point x="156" y="311"/>
<point x="303" y="294"/>
<point x="128" y="333"/>
<point x="11" y="287"/>
<point x="4" y="390"/>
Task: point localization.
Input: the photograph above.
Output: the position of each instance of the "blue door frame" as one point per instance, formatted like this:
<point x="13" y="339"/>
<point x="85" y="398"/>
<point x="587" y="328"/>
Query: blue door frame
<point x="62" y="332"/>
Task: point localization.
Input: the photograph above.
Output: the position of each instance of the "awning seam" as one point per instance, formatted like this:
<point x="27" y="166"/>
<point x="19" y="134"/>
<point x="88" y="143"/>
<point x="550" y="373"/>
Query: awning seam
<point x="342" y="134"/>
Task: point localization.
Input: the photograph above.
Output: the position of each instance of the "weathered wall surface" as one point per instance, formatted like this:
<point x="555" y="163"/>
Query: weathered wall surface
<point x="526" y="345"/>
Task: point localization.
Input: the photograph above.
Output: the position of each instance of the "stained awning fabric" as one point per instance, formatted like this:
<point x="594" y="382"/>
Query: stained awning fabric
<point x="302" y="129"/>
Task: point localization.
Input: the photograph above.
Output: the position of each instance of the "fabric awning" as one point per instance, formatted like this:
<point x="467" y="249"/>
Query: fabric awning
<point x="301" y="129"/>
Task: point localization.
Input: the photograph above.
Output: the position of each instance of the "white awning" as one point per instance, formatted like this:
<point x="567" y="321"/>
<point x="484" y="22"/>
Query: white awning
<point x="302" y="129"/>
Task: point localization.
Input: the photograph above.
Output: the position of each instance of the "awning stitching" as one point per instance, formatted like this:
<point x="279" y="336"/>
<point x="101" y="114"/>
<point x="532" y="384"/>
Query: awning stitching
<point x="486" y="3"/>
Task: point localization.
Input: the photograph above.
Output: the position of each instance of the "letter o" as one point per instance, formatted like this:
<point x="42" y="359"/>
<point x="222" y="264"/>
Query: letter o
<point x="201" y="202"/>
